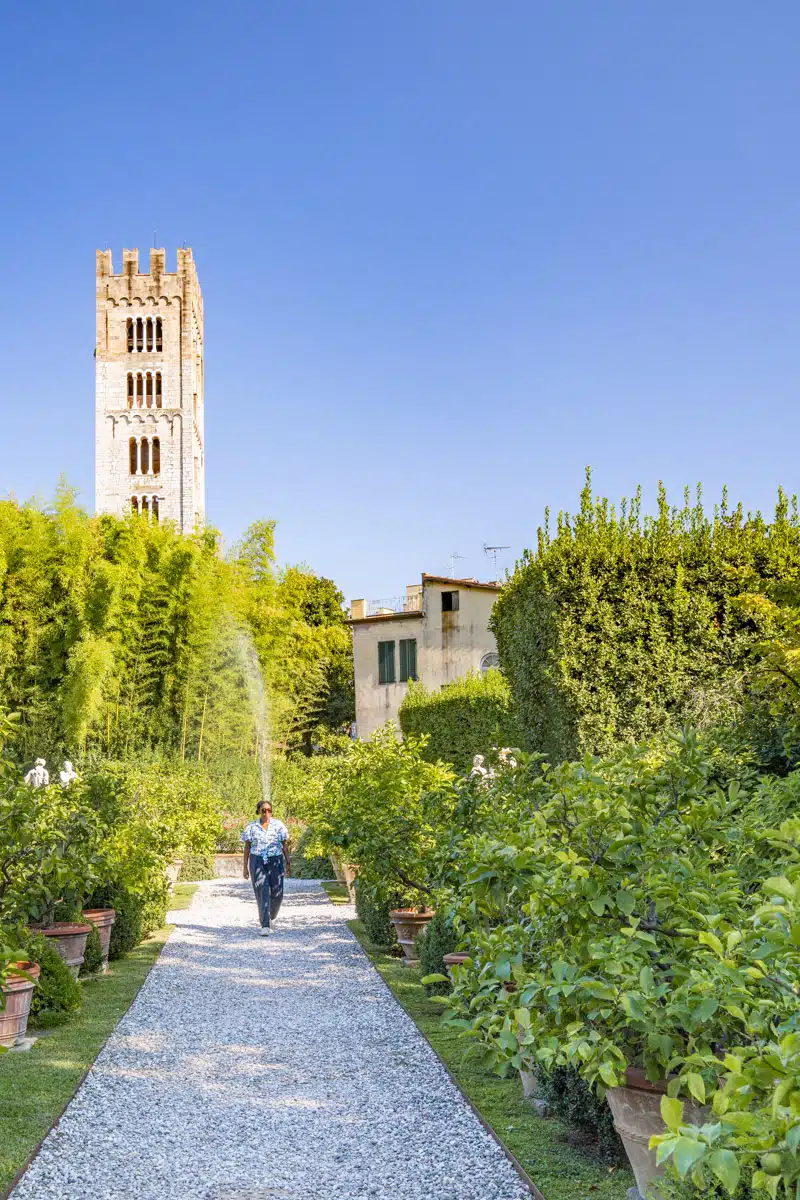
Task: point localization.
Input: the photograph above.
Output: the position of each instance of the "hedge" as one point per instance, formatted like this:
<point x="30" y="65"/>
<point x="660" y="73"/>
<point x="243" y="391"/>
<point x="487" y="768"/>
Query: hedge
<point x="463" y="718"/>
<point x="622" y="625"/>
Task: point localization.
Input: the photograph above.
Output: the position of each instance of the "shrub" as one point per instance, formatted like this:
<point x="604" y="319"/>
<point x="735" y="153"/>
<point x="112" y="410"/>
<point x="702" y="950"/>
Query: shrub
<point x="572" y="1101"/>
<point x="463" y="718"/>
<point x="92" y="955"/>
<point x="57" y="995"/>
<point x="373" y="906"/>
<point x="439" y="938"/>
<point x="137" y="915"/>
<point x="306" y="862"/>
<point x="196" y="867"/>
<point x="621" y="625"/>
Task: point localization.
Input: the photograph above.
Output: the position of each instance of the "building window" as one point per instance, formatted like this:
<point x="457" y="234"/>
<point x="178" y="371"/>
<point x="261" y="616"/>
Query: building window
<point x="148" y="389"/>
<point x="158" y="335"/>
<point x="158" y="389"/>
<point x="129" y="332"/>
<point x="154" y="509"/>
<point x="408" y="659"/>
<point x="135" y="504"/>
<point x="156" y="457"/>
<point x="144" y="456"/>
<point x="133" y="457"/>
<point x="386" y="672"/>
<point x="143" y="333"/>
<point x="145" y="505"/>
<point x="490" y="662"/>
<point x="130" y="389"/>
<point x="449" y="601"/>
<point x="139" y="390"/>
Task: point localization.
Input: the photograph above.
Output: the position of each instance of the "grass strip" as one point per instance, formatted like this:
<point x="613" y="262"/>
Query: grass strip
<point x="181" y="897"/>
<point x="337" y="891"/>
<point x="36" y="1086"/>
<point x="560" y="1170"/>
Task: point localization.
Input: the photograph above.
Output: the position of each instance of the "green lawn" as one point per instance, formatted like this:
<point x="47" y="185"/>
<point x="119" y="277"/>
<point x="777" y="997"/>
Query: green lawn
<point x="559" y="1170"/>
<point x="338" y="892"/>
<point x="36" y="1086"/>
<point x="181" y="896"/>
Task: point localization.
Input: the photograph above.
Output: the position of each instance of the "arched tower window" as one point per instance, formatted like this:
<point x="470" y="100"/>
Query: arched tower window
<point x="129" y="334"/>
<point x="154" y="509"/>
<point x="158" y="335"/>
<point x="144" y="456"/>
<point x="139" y="334"/>
<point x="156" y="456"/>
<point x="135" y="503"/>
<point x="130" y="389"/>
<point x="158" y="389"/>
<point x="145" y="505"/>
<point x="132" y="455"/>
<point x="149" y="342"/>
<point x="149" y="389"/>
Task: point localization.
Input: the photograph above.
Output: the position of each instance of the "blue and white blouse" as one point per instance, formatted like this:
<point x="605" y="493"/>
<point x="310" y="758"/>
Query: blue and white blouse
<point x="265" y="841"/>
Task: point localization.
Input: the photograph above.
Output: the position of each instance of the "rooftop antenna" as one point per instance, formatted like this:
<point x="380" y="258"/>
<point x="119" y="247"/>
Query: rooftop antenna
<point x="454" y="555"/>
<point x="493" y="551"/>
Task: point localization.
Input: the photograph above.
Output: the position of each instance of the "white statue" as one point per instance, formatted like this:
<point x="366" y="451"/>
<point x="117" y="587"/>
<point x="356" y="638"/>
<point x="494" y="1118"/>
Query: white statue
<point x="67" y="773"/>
<point x="506" y="757"/>
<point x="478" y="769"/>
<point x="38" y="776"/>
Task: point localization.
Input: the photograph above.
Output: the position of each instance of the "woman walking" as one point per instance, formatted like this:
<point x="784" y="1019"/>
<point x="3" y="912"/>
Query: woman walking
<point x="266" y="859"/>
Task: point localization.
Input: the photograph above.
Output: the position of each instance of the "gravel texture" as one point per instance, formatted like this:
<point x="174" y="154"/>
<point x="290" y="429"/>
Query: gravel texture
<point x="253" y="1067"/>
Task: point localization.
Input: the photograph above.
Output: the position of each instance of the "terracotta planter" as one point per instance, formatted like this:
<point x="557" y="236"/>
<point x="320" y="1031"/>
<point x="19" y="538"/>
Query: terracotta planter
<point x="228" y="866"/>
<point x="69" y="939"/>
<point x="453" y="960"/>
<point x="337" y="869"/>
<point x="173" y="871"/>
<point x="408" y="923"/>
<point x="17" y="992"/>
<point x="102" y="919"/>
<point x="350" y="870"/>
<point x="636" y="1110"/>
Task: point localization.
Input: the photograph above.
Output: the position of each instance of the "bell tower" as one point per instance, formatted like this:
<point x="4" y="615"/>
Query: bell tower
<point x="149" y="434"/>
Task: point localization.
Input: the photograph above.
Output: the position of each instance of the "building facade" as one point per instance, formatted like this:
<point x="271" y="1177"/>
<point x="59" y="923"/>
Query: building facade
<point x="149" y="433"/>
<point x="438" y="632"/>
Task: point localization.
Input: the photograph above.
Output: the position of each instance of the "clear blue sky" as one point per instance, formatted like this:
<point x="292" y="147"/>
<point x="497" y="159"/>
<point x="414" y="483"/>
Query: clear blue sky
<point x="451" y="252"/>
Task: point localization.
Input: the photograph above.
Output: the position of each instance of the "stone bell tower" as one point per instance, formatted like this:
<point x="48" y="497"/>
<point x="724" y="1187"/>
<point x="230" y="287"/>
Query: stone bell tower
<point x="149" y="433"/>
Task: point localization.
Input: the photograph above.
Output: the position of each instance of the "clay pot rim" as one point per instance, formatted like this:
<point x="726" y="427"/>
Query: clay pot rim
<point x="637" y="1081"/>
<point x="63" y="928"/>
<point x="458" y="956"/>
<point x="405" y="913"/>
<point x="17" y="983"/>
<point x="91" y="914"/>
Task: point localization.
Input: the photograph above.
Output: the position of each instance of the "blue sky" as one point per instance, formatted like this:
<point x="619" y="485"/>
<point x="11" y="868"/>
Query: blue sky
<point x="451" y="252"/>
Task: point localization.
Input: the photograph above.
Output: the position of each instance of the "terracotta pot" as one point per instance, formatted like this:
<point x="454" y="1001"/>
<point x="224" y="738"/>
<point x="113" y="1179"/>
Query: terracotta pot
<point x="228" y="866"/>
<point x="102" y="919"/>
<point x="453" y="960"/>
<point x="69" y="939"/>
<point x="350" y="870"/>
<point x="408" y="923"/>
<point x="173" y="871"/>
<point x="17" y="993"/>
<point x="337" y="869"/>
<point x="636" y="1110"/>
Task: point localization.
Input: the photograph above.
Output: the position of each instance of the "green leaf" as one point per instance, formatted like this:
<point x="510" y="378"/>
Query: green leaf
<point x="434" y="979"/>
<point x="686" y="1154"/>
<point x="671" y="1113"/>
<point x="696" y="1086"/>
<point x="725" y="1166"/>
<point x="711" y="939"/>
<point x="626" y="902"/>
<point x="598" y="907"/>
<point x="779" y="885"/>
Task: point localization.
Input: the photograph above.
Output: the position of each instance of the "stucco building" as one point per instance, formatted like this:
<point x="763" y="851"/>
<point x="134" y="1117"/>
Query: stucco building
<point x="437" y="632"/>
<point x="149" y="433"/>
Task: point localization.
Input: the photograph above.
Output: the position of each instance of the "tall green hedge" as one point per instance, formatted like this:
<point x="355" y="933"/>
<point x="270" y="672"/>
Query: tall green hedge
<point x="464" y="718"/>
<point x="621" y="624"/>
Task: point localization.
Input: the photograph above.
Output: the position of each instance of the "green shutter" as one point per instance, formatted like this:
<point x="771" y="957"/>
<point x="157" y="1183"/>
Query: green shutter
<point x="408" y="659"/>
<point x="386" y="662"/>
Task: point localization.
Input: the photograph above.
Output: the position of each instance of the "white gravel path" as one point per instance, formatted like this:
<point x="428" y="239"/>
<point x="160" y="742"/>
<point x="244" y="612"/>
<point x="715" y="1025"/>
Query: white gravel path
<point x="256" y="1067"/>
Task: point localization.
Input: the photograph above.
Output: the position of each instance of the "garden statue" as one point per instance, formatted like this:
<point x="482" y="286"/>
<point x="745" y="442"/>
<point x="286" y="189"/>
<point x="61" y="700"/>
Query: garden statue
<point x="506" y="757"/>
<point x="67" y="773"/>
<point x="38" y="776"/>
<point x="478" y="771"/>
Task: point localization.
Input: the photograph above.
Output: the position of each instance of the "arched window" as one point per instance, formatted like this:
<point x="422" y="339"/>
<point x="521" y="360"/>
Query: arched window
<point x="129" y="334"/>
<point x="144" y="505"/>
<point x="144" y="456"/>
<point x="132" y="455"/>
<point x="489" y="662"/>
<point x="149" y="388"/>
<point x="139" y="390"/>
<point x="158" y="389"/>
<point x="135" y="503"/>
<point x="130" y="389"/>
<point x="149" y="334"/>
<point x="154" y="509"/>
<point x="156" y="456"/>
<point x="158" y="334"/>
<point x="139" y="334"/>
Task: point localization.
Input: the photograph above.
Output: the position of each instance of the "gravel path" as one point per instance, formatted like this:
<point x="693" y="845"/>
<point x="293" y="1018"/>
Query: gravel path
<point x="256" y="1067"/>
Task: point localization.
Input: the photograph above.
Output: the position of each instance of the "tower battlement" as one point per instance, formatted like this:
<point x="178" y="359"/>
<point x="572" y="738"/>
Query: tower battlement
<point x="149" y="406"/>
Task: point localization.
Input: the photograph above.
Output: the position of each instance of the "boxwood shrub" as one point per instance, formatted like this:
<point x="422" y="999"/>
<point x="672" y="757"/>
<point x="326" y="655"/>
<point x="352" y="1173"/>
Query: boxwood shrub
<point x="573" y="1102"/>
<point x="57" y="995"/>
<point x="437" y="940"/>
<point x="462" y="719"/>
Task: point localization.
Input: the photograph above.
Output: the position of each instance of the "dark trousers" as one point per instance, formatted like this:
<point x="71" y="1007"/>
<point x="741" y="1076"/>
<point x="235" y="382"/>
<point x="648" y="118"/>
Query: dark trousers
<point x="267" y="877"/>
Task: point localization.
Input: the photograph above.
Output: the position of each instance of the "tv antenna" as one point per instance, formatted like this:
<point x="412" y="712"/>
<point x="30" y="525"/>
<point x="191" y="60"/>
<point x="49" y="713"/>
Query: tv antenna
<point x="493" y="552"/>
<point x="454" y="555"/>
